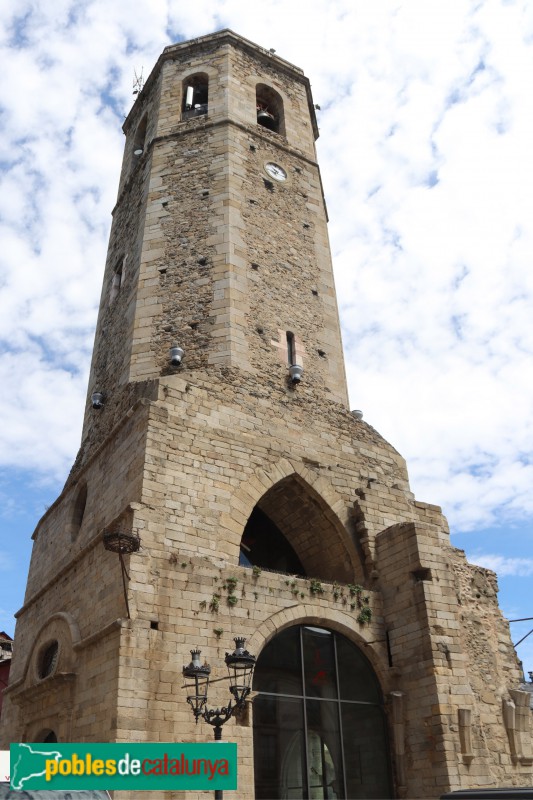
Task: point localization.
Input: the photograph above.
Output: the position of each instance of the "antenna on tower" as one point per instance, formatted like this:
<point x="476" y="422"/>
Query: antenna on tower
<point x="138" y="81"/>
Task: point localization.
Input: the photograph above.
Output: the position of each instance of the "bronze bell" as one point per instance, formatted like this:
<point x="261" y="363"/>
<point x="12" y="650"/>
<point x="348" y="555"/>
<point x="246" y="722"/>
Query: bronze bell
<point x="266" y="119"/>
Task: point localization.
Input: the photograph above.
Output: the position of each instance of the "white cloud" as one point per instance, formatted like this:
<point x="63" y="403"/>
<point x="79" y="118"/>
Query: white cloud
<point x="503" y="565"/>
<point x="426" y="130"/>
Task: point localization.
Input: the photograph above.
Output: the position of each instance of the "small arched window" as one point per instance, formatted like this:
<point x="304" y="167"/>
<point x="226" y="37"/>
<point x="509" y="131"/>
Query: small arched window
<point x="195" y="95"/>
<point x="269" y="105"/>
<point x="48" y="736"/>
<point x="139" y="140"/>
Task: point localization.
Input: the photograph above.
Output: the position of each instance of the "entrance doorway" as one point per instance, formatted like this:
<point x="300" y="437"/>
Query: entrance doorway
<point x="319" y="723"/>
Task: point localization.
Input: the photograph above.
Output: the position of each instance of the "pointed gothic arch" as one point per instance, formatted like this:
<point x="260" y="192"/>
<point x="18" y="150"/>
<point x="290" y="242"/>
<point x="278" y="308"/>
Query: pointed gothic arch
<point x="298" y="511"/>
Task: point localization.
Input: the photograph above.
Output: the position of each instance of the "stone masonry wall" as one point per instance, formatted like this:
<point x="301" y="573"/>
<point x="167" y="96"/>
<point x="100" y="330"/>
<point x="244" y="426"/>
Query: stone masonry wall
<point x="72" y="574"/>
<point x="223" y="264"/>
<point x="211" y="450"/>
<point x="204" y="481"/>
<point x="491" y="661"/>
<point x="189" y="237"/>
<point x="113" y="336"/>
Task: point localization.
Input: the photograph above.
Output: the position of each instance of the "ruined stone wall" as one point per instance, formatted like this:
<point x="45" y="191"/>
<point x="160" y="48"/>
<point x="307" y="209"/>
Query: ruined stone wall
<point x="184" y="590"/>
<point x="486" y="634"/>
<point x="223" y="429"/>
<point x="214" y="469"/>
<point x="492" y="665"/>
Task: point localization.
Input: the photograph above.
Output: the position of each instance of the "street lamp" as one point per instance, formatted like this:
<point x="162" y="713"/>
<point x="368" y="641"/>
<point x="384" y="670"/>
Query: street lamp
<point x="200" y="675"/>
<point x="240" y="666"/>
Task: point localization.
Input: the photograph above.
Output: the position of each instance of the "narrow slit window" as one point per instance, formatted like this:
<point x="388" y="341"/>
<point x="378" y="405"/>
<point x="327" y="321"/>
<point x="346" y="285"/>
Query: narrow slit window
<point x="117" y="280"/>
<point x="139" y="140"/>
<point x="78" y="510"/>
<point x="291" y="349"/>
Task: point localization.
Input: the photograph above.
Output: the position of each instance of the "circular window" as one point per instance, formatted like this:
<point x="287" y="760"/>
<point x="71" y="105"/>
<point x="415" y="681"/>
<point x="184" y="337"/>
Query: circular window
<point x="48" y="659"/>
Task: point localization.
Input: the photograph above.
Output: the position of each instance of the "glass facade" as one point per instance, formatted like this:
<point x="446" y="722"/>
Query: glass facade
<point x="319" y="724"/>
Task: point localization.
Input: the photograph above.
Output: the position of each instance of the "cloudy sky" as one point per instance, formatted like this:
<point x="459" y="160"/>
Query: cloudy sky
<point x="426" y="131"/>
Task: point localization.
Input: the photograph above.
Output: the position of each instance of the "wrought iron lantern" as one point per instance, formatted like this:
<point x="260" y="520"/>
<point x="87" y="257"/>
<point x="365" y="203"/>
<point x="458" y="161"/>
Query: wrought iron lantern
<point x="199" y="673"/>
<point x="240" y="666"/>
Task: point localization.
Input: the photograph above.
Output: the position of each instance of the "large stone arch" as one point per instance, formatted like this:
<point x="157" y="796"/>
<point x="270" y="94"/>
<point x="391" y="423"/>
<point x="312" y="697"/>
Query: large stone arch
<point x="307" y="510"/>
<point x="321" y="616"/>
<point x="288" y="720"/>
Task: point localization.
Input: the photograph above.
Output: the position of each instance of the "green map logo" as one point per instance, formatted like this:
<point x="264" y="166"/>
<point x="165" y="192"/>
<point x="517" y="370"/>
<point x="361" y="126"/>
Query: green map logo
<point x="150" y="766"/>
<point x="29" y="763"/>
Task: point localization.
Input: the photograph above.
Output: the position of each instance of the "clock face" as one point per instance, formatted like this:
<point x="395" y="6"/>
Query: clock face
<point x="275" y="171"/>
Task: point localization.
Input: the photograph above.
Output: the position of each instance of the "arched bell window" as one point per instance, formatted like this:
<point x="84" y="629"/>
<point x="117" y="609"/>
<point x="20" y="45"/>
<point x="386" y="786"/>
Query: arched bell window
<point x="195" y="95"/>
<point x="319" y="723"/>
<point x="269" y="105"/>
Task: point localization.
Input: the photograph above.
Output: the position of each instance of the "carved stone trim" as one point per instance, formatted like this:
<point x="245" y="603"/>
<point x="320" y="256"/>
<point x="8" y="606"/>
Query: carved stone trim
<point x="465" y="734"/>
<point x="398" y="733"/>
<point x="517" y="721"/>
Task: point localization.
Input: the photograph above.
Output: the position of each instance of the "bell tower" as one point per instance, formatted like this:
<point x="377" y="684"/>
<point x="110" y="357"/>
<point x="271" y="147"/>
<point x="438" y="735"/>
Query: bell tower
<point x="224" y="489"/>
<point x="219" y="244"/>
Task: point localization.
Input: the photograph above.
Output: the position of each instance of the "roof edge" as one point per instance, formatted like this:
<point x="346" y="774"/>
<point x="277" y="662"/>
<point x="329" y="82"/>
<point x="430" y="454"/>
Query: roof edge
<point x="224" y="36"/>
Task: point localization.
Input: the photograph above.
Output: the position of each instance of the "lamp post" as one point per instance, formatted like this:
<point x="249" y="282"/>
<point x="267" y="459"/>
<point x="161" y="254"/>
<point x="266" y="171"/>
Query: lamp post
<point x="240" y="666"/>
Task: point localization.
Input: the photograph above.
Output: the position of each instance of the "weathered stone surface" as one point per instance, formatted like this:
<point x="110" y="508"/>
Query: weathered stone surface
<point x="220" y="263"/>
